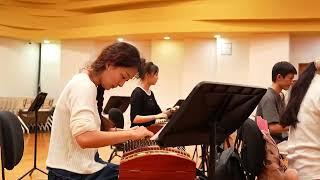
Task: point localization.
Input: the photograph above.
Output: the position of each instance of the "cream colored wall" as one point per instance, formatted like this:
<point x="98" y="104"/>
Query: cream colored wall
<point x="75" y="54"/>
<point x="50" y="69"/>
<point x="169" y="56"/>
<point x="304" y="49"/>
<point x="265" y="50"/>
<point x="233" y="68"/>
<point x="183" y="63"/>
<point x="199" y="64"/>
<point x="19" y="67"/>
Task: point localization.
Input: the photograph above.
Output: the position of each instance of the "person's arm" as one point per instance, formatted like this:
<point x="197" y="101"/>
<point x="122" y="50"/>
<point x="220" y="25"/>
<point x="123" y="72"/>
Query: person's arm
<point x="96" y="139"/>
<point x="171" y="111"/>
<point x="270" y="113"/>
<point x="144" y="119"/>
<point x="276" y="128"/>
<point x="83" y="121"/>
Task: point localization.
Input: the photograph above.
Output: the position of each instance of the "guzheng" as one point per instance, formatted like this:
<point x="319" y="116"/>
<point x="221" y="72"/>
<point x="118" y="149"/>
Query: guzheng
<point x="143" y="159"/>
<point x="157" y="125"/>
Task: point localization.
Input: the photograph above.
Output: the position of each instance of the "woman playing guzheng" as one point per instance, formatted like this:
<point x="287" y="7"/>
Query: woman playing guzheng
<point x="144" y="107"/>
<point x="76" y="133"/>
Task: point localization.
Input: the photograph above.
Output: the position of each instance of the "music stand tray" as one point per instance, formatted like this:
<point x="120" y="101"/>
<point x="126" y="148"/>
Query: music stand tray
<point x="34" y="107"/>
<point x="120" y="102"/>
<point x="179" y="102"/>
<point x="210" y="113"/>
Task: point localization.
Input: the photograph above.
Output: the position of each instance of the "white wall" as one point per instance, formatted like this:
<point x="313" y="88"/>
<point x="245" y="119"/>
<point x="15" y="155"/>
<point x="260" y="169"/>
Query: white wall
<point x="183" y="63"/>
<point x="304" y="49"/>
<point x="168" y="55"/>
<point x="199" y="64"/>
<point x="75" y="54"/>
<point x="19" y="67"/>
<point x="233" y="68"/>
<point x="266" y="50"/>
<point x="50" y="69"/>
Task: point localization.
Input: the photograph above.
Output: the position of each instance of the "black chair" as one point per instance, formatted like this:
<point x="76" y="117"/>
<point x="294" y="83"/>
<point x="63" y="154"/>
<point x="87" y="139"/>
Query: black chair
<point x="11" y="141"/>
<point x="116" y="116"/>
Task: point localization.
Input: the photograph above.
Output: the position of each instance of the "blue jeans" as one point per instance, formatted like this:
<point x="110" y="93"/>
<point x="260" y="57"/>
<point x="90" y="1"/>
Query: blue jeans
<point x="109" y="172"/>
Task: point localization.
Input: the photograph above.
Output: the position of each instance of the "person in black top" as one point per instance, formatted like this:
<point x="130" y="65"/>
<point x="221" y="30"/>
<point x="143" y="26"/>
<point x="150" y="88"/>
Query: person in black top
<point x="144" y="107"/>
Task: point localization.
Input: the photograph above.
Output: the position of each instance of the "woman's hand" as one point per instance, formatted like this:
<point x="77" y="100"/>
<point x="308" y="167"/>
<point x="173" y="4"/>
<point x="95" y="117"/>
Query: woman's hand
<point x="140" y="133"/>
<point x="161" y="116"/>
<point x="170" y="111"/>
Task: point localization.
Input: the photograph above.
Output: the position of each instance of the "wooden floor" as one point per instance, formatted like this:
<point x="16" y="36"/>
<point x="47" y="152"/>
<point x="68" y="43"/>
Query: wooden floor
<point x="43" y="143"/>
<point x="27" y="160"/>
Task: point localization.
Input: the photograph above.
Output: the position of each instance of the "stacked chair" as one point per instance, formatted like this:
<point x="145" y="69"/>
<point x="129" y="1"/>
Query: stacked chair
<point x="20" y="105"/>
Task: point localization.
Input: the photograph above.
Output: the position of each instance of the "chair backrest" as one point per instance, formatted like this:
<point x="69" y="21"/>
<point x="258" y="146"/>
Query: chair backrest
<point x="116" y="116"/>
<point x="253" y="151"/>
<point x="10" y="131"/>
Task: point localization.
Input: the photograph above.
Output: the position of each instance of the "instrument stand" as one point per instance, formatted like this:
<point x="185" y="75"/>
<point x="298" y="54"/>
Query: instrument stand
<point x="119" y="102"/>
<point x="210" y="113"/>
<point x="35" y="106"/>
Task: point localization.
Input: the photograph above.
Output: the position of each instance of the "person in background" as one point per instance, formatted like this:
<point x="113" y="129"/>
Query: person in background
<point x="144" y="107"/>
<point x="302" y="115"/>
<point x="76" y="134"/>
<point x="272" y="105"/>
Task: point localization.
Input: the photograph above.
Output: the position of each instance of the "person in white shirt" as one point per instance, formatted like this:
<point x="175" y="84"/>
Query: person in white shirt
<point x="302" y="114"/>
<point x="76" y="134"/>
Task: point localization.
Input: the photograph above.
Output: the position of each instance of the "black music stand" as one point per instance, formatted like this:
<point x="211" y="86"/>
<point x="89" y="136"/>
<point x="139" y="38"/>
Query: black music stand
<point x="179" y="102"/>
<point x="120" y="102"/>
<point x="211" y="112"/>
<point x="34" y="107"/>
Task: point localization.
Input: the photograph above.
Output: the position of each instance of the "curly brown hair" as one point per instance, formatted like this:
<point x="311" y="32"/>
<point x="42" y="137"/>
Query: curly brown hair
<point x="118" y="54"/>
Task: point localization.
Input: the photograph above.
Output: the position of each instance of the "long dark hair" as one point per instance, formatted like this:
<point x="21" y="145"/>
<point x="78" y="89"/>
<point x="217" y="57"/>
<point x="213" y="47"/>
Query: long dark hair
<point x="298" y="91"/>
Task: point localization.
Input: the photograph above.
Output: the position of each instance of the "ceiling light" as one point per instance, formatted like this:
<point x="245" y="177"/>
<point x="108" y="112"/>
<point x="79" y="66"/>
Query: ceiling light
<point x="120" y="39"/>
<point x="217" y="36"/>
<point x="46" y="41"/>
<point x="166" y="38"/>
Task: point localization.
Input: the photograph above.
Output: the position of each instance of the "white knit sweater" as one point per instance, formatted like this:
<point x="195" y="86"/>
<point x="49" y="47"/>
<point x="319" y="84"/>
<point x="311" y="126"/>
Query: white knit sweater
<point x="75" y="113"/>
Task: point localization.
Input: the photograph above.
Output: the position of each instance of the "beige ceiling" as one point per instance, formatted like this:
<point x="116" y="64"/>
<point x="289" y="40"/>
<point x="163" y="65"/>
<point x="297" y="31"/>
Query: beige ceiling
<point x="74" y="19"/>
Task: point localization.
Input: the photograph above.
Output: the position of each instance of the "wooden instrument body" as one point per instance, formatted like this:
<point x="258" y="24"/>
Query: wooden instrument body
<point x="157" y="126"/>
<point x="155" y="163"/>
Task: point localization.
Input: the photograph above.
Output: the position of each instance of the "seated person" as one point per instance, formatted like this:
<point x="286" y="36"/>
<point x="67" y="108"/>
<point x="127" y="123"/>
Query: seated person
<point x="272" y="105"/>
<point x="76" y="135"/>
<point x="144" y="107"/>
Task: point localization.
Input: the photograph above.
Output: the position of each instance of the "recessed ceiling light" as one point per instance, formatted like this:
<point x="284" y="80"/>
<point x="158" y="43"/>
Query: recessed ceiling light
<point x="46" y="41"/>
<point x="120" y="39"/>
<point x="166" y="38"/>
